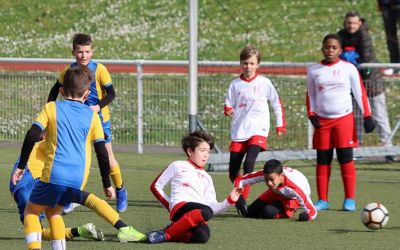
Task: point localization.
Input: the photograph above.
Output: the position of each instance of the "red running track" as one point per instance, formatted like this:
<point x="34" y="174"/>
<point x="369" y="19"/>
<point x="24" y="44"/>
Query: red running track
<point x="153" y="69"/>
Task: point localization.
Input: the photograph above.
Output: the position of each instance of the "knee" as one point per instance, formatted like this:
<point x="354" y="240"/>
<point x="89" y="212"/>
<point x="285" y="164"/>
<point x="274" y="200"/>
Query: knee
<point x="344" y="155"/>
<point x="248" y="166"/>
<point x="207" y="213"/>
<point x="84" y="198"/>
<point x="324" y="157"/>
<point x="269" y="212"/>
<point x="200" y="234"/>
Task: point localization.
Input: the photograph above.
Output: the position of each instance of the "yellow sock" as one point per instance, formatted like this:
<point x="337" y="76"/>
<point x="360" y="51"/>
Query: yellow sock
<point x="115" y="174"/>
<point x="33" y="231"/>
<point x="57" y="227"/>
<point x="102" y="208"/>
<point x="46" y="234"/>
<point x="68" y="234"/>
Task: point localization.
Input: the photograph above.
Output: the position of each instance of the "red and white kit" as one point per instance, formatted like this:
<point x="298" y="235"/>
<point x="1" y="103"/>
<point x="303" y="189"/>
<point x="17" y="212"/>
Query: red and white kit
<point x="294" y="193"/>
<point x="330" y="88"/>
<point x="189" y="183"/>
<point x="249" y="100"/>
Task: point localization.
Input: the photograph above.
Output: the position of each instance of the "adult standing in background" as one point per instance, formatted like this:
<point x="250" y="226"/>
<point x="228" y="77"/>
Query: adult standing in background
<point x="391" y="18"/>
<point x="358" y="48"/>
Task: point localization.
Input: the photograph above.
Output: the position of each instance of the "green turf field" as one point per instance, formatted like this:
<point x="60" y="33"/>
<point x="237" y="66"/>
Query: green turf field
<point x="332" y="229"/>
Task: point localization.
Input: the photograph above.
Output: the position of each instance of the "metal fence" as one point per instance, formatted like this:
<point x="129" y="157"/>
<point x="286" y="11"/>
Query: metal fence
<point x="152" y="108"/>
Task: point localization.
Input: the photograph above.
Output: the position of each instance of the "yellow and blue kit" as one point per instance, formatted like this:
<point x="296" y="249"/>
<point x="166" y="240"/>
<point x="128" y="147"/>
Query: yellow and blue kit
<point x="101" y="93"/>
<point x="71" y="128"/>
<point x="101" y="89"/>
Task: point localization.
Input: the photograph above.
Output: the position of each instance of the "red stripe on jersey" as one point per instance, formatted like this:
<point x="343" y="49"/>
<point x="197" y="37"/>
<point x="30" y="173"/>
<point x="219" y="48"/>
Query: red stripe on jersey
<point x="309" y="113"/>
<point x="248" y="80"/>
<point x="157" y="194"/>
<point x="283" y="127"/>
<point x="301" y="197"/>
<point x="365" y="101"/>
<point x="252" y="178"/>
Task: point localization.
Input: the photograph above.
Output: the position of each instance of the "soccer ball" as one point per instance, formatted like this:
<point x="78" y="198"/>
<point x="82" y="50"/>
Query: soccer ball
<point x="374" y="216"/>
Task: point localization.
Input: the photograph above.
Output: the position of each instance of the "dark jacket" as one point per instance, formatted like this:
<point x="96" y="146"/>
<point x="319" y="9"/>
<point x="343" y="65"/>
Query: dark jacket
<point x="361" y="41"/>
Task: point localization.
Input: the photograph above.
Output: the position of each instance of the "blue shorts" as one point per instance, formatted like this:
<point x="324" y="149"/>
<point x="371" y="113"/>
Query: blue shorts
<point x="48" y="194"/>
<point x="107" y="131"/>
<point x="21" y="196"/>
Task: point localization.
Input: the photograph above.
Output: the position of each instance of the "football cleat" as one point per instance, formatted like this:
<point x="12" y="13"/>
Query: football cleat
<point x="156" y="237"/>
<point x="67" y="209"/>
<point x="89" y="231"/>
<point x="126" y="234"/>
<point x="122" y="200"/>
<point x="241" y="206"/>
<point x="349" y="205"/>
<point x="321" y="205"/>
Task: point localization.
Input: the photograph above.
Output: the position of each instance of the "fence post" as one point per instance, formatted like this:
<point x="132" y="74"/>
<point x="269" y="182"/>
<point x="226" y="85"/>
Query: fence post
<point x="139" y="70"/>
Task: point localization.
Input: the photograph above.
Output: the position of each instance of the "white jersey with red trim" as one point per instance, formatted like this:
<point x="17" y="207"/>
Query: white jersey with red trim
<point x="296" y="186"/>
<point x="249" y="100"/>
<point x="189" y="183"/>
<point x="330" y="88"/>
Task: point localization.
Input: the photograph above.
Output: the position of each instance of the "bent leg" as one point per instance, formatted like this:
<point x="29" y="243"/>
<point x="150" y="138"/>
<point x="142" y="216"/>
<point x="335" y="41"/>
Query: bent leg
<point x="190" y="216"/>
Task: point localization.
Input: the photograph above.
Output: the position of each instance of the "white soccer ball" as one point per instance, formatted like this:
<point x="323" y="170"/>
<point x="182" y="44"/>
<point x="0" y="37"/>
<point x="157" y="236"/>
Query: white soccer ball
<point x="374" y="216"/>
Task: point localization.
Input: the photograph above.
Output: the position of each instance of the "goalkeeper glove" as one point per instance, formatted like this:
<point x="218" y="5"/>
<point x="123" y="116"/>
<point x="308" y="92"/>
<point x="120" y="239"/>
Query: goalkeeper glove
<point x="369" y="124"/>
<point x="314" y="121"/>
<point x="304" y="216"/>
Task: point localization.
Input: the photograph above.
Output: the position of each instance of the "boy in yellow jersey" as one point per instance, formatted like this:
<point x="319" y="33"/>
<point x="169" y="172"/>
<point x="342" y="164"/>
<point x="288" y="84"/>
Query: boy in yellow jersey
<point x="71" y="129"/>
<point x="22" y="190"/>
<point x="101" y="94"/>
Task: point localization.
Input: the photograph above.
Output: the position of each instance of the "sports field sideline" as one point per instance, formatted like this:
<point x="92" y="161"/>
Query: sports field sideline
<point x="333" y="229"/>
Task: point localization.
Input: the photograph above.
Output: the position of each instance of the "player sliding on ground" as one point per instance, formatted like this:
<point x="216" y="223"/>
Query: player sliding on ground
<point x="192" y="200"/>
<point x="288" y="191"/>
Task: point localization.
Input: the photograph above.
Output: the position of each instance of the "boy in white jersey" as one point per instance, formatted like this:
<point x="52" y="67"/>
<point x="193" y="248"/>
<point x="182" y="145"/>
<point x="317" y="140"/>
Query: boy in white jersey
<point x="331" y="84"/>
<point x="288" y="191"/>
<point x="192" y="200"/>
<point x="247" y="103"/>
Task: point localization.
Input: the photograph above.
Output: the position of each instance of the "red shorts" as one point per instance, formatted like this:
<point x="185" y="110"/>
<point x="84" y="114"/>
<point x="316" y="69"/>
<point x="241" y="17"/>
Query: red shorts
<point x="241" y="146"/>
<point x="290" y="205"/>
<point x="336" y="133"/>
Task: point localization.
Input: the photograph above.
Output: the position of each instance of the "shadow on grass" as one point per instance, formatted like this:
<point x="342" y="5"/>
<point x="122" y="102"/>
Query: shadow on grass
<point x="141" y="203"/>
<point x="9" y="210"/>
<point x="114" y="238"/>
<point x="132" y="203"/>
<point x="345" y="231"/>
<point x="11" y="238"/>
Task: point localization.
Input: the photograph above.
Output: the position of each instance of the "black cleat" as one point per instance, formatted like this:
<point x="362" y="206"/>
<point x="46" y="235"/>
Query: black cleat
<point x="390" y="158"/>
<point x="241" y="206"/>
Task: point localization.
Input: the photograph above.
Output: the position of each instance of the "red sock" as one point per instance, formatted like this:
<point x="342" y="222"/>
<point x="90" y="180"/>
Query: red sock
<point x="246" y="191"/>
<point x="323" y="175"/>
<point x="182" y="226"/>
<point x="348" y="171"/>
